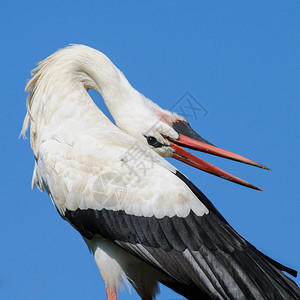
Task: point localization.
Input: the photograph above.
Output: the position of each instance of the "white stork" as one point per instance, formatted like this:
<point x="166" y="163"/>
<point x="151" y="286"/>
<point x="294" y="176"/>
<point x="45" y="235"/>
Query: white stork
<point x="144" y="221"/>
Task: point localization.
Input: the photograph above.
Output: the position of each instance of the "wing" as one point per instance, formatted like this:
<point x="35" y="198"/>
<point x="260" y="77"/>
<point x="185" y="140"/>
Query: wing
<point x="167" y="223"/>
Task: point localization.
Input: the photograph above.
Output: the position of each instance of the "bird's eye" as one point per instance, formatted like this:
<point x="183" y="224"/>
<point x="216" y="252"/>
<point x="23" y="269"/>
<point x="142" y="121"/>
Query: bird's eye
<point x="152" y="141"/>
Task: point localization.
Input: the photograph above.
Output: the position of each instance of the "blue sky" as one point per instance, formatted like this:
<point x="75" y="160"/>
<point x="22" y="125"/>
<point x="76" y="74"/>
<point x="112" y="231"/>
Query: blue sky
<point x="239" y="60"/>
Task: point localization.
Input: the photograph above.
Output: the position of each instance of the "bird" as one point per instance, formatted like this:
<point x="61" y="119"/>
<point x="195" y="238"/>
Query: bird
<point x="142" y="219"/>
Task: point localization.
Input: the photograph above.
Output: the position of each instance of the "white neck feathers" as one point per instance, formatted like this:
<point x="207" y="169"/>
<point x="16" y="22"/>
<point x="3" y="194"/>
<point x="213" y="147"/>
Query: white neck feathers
<point x="58" y="89"/>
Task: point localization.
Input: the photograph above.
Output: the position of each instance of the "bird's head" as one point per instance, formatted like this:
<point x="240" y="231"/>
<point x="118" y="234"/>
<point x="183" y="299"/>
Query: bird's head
<point x="166" y="133"/>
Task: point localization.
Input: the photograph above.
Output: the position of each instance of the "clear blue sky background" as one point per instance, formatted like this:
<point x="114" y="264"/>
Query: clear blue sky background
<point x="240" y="60"/>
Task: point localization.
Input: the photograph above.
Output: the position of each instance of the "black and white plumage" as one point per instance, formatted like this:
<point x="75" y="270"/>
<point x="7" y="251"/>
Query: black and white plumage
<point x="144" y="221"/>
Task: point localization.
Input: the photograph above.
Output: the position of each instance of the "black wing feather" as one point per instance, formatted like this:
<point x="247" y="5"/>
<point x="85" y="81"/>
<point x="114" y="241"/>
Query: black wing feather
<point x="202" y="255"/>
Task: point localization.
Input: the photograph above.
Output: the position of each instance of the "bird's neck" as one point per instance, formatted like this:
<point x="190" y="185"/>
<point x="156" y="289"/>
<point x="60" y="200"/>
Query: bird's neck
<point x="58" y="97"/>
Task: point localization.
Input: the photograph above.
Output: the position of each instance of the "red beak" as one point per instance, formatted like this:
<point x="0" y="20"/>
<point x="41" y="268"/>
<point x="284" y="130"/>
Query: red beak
<point x="190" y="139"/>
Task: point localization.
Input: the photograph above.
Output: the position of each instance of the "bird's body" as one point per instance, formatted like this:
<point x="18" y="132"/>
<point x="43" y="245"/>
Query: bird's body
<point x="143" y="220"/>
